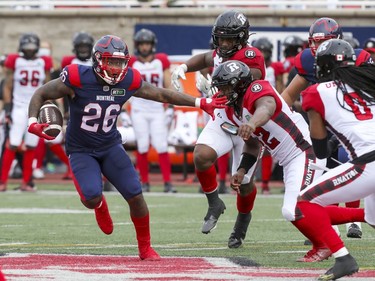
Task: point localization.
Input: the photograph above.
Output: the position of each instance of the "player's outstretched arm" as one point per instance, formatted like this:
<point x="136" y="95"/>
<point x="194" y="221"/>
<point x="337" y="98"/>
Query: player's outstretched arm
<point x="294" y="89"/>
<point x="150" y="92"/>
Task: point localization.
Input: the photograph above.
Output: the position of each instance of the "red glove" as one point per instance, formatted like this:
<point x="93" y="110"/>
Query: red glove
<point x="210" y="104"/>
<point x="37" y="129"/>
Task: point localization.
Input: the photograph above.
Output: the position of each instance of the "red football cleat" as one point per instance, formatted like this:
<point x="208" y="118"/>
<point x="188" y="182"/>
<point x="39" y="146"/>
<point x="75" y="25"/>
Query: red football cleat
<point x="316" y="255"/>
<point x="103" y="218"/>
<point x="149" y="255"/>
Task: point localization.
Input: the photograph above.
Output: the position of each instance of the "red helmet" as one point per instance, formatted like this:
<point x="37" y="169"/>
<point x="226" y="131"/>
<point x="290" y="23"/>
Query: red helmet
<point x="110" y="59"/>
<point x="323" y="29"/>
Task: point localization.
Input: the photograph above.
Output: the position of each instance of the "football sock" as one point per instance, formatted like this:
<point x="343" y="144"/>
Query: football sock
<point x="142" y="230"/>
<point x="8" y="158"/>
<point x="246" y="203"/>
<point x="207" y="179"/>
<point x="222" y="166"/>
<point x="353" y="204"/>
<point x="27" y="165"/>
<point x="142" y="166"/>
<point x="341" y="215"/>
<point x="316" y="225"/>
<point x="266" y="170"/>
<point x="165" y="166"/>
<point x="40" y="153"/>
<point x="58" y="150"/>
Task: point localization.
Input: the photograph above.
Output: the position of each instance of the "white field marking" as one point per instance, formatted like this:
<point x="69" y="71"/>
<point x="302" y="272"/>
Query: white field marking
<point x="42" y="211"/>
<point x="13" y="244"/>
<point x="222" y="262"/>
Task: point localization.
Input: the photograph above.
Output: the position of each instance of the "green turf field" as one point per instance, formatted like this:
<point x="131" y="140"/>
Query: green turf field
<point x="54" y="221"/>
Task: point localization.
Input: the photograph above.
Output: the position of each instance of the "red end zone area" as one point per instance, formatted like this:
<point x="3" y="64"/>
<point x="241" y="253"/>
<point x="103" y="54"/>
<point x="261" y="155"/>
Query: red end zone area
<point x="32" y="267"/>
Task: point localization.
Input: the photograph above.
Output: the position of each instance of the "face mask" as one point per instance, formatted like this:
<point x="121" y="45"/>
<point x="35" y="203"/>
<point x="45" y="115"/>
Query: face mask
<point x="44" y="52"/>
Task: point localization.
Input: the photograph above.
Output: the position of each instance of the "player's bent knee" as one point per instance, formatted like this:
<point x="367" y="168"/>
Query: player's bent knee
<point x="288" y="214"/>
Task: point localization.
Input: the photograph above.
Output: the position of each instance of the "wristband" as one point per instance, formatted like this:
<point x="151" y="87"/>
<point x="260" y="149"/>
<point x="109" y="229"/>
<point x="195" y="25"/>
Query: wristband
<point x="198" y="102"/>
<point x="247" y="161"/>
<point x="32" y="120"/>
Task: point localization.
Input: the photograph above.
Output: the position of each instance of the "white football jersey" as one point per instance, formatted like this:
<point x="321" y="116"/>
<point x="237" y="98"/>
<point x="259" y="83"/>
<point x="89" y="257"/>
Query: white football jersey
<point x="28" y="76"/>
<point x="153" y="73"/>
<point x="285" y="135"/>
<point x="349" y="117"/>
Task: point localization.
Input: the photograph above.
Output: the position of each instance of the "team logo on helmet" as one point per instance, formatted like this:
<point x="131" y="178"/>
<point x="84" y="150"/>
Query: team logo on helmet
<point x="256" y="88"/>
<point x="250" y="54"/>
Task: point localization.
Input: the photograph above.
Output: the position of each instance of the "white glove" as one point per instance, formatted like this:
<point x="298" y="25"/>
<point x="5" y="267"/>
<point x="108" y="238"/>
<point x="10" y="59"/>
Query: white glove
<point x="204" y="85"/>
<point x="178" y="73"/>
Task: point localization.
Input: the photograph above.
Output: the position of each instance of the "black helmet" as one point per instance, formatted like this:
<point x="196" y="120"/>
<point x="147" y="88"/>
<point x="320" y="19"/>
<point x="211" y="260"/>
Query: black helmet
<point x="235" y="74"/>
<point x="323" y="29"/>
<point x="292" y="45"/>
<point x="108" y="48"/>
<point x="231" y="24"/>
<point x="265" y="46"/>
<point x="369" y="45"/>
<point x="145" y="36"/>
<point x="331" y="55"/>
<point x="29" y="45"/>
<point x="353" y="42"/>
<point x="83" y="43"/>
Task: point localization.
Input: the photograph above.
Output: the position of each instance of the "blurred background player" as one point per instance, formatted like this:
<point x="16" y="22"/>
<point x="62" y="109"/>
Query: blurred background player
<point x="55" y="146"/>
<point x="369" y="46"/>
<point x="292" y="45"/>
<point x="353" y="42"/>
<point x="230" y="34"/>
<point x="2" y="111"/>
<point x="148" y="117"/>
<point x="24" y="73"/>
<point x="83" y="43"/>
<point x="274" y="75"/>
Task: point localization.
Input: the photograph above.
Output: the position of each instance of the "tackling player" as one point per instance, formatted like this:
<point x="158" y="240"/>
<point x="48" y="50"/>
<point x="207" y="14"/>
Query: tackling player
<point x="343" y="103"/>
<point x="321" y="30"/>
<point x="230" y="35"/>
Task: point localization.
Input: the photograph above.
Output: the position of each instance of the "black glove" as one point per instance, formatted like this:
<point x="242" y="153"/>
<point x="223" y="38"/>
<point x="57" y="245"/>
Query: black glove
<point x="333" y="144"/>
<point x="8" y="112"/>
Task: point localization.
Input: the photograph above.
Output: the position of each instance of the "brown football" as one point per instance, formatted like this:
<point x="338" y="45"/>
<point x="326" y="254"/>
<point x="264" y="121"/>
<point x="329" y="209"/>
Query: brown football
<point x="49" y="113"/>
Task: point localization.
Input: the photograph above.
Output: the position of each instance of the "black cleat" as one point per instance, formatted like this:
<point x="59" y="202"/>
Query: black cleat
<point x="168" y="188"/>
<point x="145" y="187"/>
<point x="239" y="230"/>
<point x="307" y="242"/>
<point x="222" y="187"/>
<point x="213" y="214"/>
<point x="343" y="266"/>
<point x="354" y="231"/>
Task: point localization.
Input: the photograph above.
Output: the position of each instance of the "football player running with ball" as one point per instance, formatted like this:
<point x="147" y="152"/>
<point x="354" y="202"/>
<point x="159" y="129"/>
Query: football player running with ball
<point x="96" y="95"/>
<point x="230" y="35"/>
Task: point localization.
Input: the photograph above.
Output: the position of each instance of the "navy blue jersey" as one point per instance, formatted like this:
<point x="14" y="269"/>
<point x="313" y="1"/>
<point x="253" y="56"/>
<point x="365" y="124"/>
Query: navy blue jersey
<point x="305" y="60"/>
<point x="95" y="107"/>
